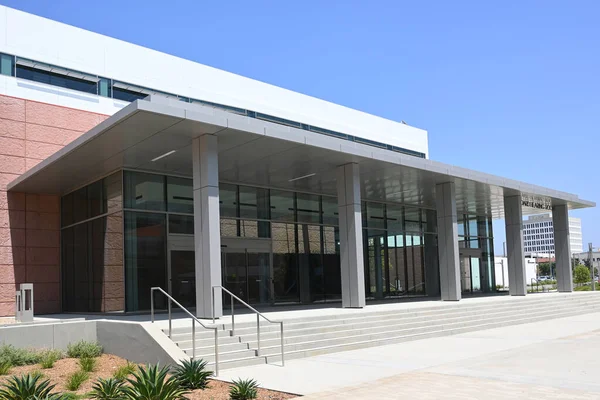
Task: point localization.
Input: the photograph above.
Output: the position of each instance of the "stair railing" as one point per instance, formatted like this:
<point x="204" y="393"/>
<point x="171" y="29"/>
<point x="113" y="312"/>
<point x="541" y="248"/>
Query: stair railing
<point x="259" y="315"/>
<point x="195" y="320"/>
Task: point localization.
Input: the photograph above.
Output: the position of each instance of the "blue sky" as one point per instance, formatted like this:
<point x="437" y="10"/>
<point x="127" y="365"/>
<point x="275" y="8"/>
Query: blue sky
<point x="510" y="88"/>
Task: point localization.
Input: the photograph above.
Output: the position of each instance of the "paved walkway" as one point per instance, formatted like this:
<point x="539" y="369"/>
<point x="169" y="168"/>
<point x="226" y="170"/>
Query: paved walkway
<point x="553" y="359"/>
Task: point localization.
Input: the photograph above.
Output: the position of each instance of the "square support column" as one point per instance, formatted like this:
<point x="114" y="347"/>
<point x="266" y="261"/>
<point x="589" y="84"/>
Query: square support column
<point x="562" y="248"/>
<point x="207" y="234"/>
<point x="351" y="242"/>
<point x="445" y="199"/>
<point x="513" y="219"/>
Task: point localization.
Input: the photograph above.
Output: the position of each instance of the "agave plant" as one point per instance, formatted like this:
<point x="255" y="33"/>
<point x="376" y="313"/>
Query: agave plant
<point x="243" y="389"/>
<point x="26" y="387"/>
<point x="152" y="383"/>
<point x="192" y="374"/>
<point x="108" y="389"/>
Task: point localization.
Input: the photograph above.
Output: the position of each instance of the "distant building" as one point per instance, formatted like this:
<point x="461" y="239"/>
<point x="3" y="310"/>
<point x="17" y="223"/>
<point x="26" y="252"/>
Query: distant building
<point x="538" y="235"/>
<point x="501" y="271"/>
<point x="583" y="256"/>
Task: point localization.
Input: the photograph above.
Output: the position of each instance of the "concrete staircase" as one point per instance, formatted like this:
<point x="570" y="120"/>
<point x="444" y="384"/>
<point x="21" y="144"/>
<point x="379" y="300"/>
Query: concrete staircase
<point x="321" y="334"/>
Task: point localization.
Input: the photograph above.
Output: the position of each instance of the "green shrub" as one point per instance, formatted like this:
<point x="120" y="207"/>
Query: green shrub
<point x="192" y="374"/>
<point x="88" y="364"/>
<point x="153" y="383"/>
<point x="83" y="349"/>
<point x="18" y="357"/>
<point x="124" y="371"/>
<point x="25" y="387"/>
<point x="243" y="389"/>
<point x="49" y="357"/>
<point x="76" y="379"/>
<point x="108" y="389"/>
<point x="5" y="367"/>
<point x="37" y="374"/>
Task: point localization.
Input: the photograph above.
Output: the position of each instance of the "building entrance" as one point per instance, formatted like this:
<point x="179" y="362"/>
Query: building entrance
<point x="181" y="270"/>
<point x="247" y="269"/>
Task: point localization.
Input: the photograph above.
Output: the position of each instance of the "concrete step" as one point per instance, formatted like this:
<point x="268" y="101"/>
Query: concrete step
<point x="421" y="311"/>
<point x="378" y="332"/>
<point x="322" y="334"/>
<point x="276" y="358"/>
<point x="304" y="328"/>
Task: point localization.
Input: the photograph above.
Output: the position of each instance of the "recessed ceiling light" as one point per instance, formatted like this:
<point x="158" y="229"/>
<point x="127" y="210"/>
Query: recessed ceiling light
<point x="302" y="177"/>
<point x="164" y="155"/>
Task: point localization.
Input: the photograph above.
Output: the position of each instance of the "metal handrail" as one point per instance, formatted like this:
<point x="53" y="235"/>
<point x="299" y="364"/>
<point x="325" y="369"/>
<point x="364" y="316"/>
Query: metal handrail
<point x="258" y="316"/>
<point x="194" y="320"/>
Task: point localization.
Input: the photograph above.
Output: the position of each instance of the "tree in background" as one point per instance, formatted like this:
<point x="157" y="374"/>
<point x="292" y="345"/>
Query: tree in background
<point x="545" y="269"/>
<point x="581" y="274"/>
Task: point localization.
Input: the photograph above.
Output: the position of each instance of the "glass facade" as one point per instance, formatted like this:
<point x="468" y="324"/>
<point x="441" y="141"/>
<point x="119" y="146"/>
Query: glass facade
<point x="92" y="247"/>
<point x="476" y="250"/>
<point x="131" y="231"/>
<point x="397" y="241"/>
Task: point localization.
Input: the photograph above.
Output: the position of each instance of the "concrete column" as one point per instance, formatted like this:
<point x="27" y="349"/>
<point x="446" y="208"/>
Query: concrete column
<point x="513" y="218"/>
<point x="562" y="248"/>
<point x="445" y="199"/>
<point x="207" y="235"/>
<point x="351" y="243"/>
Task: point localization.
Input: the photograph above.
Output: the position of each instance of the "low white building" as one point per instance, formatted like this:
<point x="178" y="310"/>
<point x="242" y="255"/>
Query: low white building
<point x="501" y="267"/>
<point x="580" y="257"/>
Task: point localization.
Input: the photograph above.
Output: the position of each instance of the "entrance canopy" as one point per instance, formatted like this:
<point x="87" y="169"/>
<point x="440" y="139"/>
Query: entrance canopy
<point x="156" y="135"/>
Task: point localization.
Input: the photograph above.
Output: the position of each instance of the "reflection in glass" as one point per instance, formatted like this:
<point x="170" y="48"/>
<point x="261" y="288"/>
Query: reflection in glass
<point x="145" y="258"/>
<point x="228" y="200"/>
<point x="181" y="224"/>
<point x="144" y="191"/>
<point x="282" y="206"/>
<point x="180" y="195"/>
<point x="330" y="210"/>
<point x="285" y="270"/>
<point x="308" y="206"/>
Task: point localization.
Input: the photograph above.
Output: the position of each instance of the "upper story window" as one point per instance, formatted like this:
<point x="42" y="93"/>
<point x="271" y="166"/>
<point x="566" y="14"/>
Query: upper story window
<point x="49" y="74"/>
<point x="7" y="65"/>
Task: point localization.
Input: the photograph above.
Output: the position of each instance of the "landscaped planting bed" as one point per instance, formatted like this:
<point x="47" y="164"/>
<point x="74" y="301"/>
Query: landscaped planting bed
<point x="83" y="372"/>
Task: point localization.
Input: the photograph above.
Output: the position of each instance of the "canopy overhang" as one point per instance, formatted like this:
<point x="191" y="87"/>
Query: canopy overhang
<point x="261" y="153"/>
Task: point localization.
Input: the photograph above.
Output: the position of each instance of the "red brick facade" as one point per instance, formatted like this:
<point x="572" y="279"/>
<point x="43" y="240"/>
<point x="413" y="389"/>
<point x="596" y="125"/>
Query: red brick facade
<point x="30" y="224"/>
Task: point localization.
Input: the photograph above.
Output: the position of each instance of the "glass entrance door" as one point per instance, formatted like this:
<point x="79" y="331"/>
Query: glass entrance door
<point x="247" y="270"/>
<point x="183" y="277"/>
<point x="182" y="269"/>
<point x="470" y="273"/>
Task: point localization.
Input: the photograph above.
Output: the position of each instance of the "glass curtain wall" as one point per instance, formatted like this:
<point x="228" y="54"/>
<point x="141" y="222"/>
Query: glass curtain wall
<point x="92" y="247"/>
<point x="303" y="232"/>
<point x="476" y="247"/>
<point x="395" y="249"/>
<point x="156" y="206"/>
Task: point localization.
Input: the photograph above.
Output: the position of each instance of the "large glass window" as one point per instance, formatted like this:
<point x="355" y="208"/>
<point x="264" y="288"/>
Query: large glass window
<point x="282" y="206"/>
<point x="92" y="247"/>
<point x="309" y="208"/>
<point x="330" y="210"/>
<point x="145" y="258"/>
<point x="180" y="195"/>
<point x="144" y="191"/>
<point x="285" y="267"/>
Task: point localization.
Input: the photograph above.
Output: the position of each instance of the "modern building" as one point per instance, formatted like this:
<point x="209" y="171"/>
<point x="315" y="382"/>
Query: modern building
<point x="123" y="169"/>
<point x="538" y="235"/>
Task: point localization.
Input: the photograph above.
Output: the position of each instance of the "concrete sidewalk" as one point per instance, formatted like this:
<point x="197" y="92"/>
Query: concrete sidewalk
<point x="558" y="358"/>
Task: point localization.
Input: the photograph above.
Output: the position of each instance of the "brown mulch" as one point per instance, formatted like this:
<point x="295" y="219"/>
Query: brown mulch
<point x="107" y="364"/>
<point x="218" y="390"/>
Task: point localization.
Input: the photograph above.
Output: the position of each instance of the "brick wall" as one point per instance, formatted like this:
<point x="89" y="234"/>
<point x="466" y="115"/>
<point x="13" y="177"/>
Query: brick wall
<point x="30" y="224"/>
